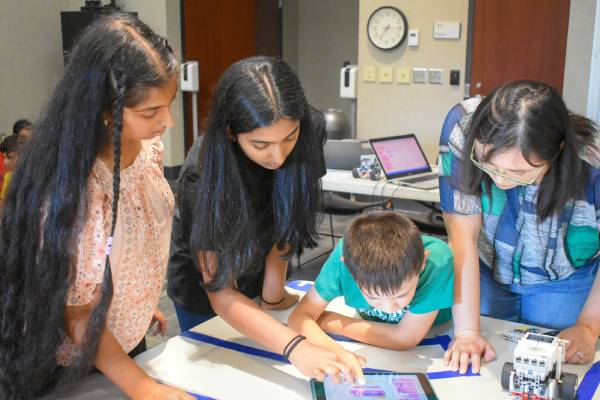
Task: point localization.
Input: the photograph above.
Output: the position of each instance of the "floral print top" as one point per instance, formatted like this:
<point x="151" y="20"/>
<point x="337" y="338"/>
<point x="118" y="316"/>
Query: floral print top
<point x="140" y="246"/>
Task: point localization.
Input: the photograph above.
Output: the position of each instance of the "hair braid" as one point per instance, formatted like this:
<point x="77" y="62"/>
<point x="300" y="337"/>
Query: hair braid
<point x="117" y="130"/>
<point x="98" y="316"/>
<point x="116" y="60"/>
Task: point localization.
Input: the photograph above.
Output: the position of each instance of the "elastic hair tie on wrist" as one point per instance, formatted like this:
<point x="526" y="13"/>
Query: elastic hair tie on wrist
<point x="287" y="351"/>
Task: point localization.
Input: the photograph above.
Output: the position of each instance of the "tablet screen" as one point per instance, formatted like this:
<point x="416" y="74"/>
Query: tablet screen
<point x="377" y="386"/>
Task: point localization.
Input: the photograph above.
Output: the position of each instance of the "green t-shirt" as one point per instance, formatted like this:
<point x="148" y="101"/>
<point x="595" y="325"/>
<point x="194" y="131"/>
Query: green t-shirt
<point x="435" y="289"/>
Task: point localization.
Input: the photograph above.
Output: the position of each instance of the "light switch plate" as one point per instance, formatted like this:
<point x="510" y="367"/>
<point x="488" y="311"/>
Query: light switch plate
<point x="420" y="75"/>
<point x="386" y="75"/>
<point x="403" y="75"/>
<point x="436" y="76"/>
<point x="369" y="73"/>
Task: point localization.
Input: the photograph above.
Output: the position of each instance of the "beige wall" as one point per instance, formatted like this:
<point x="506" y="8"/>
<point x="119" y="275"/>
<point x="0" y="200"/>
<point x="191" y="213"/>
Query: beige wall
<point x="175" y="139"/>
<point x="318" y="36"/>
<point x="32" y="57"/>
<point x="289" y="27"/>
<point x="579" y="54"/>
<point x="31" y="44"/>
<point x="386" y="109"/>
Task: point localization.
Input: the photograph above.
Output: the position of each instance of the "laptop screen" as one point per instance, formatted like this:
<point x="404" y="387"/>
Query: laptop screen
<point x="400" y="156"/>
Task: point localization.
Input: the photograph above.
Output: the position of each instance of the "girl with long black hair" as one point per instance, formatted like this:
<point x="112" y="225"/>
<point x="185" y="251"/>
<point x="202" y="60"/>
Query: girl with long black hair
<point x="87" y="196"/>
<point x="249" y="199"/>
<point x="520" y="191"/>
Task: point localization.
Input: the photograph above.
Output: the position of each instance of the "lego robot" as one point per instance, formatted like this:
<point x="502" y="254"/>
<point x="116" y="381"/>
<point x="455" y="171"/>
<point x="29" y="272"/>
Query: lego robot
<point x="536" y="370"/>
<point x="369" y="168"/>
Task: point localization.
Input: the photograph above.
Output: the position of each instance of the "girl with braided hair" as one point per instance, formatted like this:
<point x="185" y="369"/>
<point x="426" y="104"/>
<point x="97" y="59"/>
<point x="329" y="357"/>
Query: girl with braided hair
<point x="84" y="235"/>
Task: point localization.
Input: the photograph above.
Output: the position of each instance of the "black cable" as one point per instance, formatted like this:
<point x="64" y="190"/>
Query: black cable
<point x="374" y="190"/>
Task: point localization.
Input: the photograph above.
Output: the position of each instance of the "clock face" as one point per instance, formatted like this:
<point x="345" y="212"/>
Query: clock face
<point x="387" y="28"/>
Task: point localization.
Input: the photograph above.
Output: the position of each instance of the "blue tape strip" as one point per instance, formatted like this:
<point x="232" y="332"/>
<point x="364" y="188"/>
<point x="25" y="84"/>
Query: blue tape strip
<point x="234" y="346"/>
<point x="375" y="370"/>
<point x="341" y="338"/>
<point x="196" y="395"/>
<point x="200" y="397"/>
<point x="433" y="375"/>
<point x="591" y="380"/>
<point x="443" y="340"/>
<point x="302" y="286"/>
<point x="277" y="357"/>
<point x="451" y="374"/>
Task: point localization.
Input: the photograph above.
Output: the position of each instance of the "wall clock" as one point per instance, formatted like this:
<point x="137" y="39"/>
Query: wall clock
<point x="387" y="28"/>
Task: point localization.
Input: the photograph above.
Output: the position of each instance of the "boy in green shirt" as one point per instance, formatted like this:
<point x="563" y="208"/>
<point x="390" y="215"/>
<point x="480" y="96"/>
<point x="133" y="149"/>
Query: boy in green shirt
<point x="400" y="282"/>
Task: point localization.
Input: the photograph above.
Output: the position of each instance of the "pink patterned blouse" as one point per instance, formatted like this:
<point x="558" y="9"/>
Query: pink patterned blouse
<point x="140" y="247"/>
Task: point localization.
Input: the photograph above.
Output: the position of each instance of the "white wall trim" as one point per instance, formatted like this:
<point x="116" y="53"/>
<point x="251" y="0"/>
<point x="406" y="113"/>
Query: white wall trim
<point x="593" y="104"/>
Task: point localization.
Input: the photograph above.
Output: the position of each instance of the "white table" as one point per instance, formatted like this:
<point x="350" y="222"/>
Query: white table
<point x="337" y="180"/>
<point x="216" y="371"/>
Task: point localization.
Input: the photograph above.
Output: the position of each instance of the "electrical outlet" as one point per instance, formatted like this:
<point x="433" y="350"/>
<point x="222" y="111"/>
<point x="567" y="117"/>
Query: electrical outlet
<point x="403" y="75"/>
<point x="369" y="73"/>
<point x="386" y="75"/>
<point x="420" y="75"/>
<point x="436" y="76"/>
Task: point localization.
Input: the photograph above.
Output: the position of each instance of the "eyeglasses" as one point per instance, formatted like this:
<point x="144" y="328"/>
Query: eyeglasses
<point x="490" y="171"/>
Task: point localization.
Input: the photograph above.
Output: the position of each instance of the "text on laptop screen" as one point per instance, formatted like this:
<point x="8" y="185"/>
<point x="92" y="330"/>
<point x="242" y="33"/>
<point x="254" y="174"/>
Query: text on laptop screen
<point x="400" y="156"/>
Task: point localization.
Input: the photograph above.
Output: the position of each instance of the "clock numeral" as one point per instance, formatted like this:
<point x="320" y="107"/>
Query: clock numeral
<point x="386" y="27"/>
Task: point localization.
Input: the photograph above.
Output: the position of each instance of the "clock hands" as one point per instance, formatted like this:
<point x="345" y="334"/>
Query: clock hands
<point x="383" y="33"/>
<point x="387" y="27"/>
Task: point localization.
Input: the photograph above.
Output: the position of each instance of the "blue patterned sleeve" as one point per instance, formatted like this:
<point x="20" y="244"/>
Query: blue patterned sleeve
<point x="452" y="199"/>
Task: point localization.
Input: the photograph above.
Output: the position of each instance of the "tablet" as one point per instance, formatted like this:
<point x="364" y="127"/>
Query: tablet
<point x="378" y="385"/>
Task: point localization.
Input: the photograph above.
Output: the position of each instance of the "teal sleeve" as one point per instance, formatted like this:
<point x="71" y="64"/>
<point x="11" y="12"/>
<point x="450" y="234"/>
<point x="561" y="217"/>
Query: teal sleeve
<point x="435" y="290"/>
<point x="328" y="283"/>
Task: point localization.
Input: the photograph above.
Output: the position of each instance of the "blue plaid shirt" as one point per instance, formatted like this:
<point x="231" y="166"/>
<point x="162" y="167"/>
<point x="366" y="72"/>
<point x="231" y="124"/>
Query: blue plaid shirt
<point x="512" y="242"/>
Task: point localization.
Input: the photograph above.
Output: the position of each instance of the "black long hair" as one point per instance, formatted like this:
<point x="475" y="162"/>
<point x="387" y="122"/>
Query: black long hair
<point x="533" y="117"/>
<point x="115" y="62"/>
<point x="254" y="93"/>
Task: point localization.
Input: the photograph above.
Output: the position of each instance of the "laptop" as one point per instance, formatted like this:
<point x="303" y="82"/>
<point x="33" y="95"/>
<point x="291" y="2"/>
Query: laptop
<point x="342" y="154"/>
<point x="403" y="162"/>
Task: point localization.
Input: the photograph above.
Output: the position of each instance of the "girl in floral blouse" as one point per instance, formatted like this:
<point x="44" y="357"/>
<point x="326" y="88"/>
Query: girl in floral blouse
<point x="85" y="229"/>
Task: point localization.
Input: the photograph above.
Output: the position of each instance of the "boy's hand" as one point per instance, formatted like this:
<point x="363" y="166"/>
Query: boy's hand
<point x="318" y="361"/>
<point x="354" y="361"/>
<point x="468" y="346"/>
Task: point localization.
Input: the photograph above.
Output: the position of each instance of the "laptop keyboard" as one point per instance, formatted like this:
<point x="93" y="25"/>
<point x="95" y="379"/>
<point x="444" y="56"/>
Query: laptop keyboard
<point x="426" y="177"/>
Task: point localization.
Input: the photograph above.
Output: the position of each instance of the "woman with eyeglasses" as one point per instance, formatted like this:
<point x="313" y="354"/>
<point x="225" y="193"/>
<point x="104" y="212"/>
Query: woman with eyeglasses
<point x="520" y="191"/>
